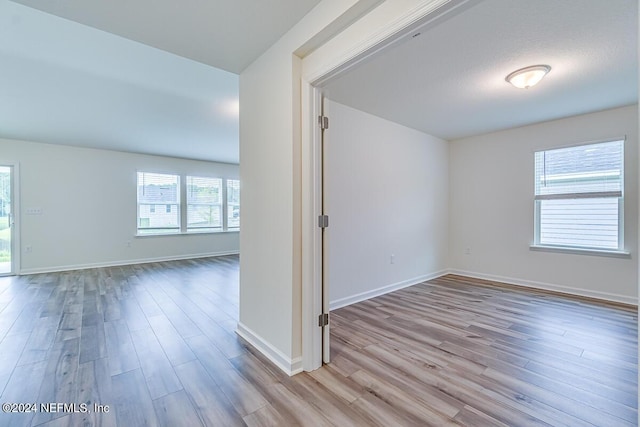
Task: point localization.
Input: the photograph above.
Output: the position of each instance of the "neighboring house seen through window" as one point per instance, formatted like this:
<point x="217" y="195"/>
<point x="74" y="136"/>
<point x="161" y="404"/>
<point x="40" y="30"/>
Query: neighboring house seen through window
<point x="155" y="189"/>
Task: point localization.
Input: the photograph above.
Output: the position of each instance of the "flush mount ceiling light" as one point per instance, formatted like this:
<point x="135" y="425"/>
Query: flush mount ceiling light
<point x="526" y="77"/>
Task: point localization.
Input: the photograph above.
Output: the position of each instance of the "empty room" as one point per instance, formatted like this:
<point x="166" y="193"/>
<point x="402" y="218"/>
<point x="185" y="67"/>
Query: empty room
<point x="319" y="212"/>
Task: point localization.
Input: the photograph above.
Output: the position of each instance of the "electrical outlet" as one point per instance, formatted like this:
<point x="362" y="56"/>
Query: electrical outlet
<point x="392" y="259"/>
<point x="467" y="251"/>
<point x="34" y="211"/>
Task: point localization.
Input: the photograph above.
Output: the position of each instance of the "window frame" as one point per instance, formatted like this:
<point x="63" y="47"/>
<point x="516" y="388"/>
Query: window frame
<point x="182" y="205"/>
<point x="163" y="231"/>
<point x="219" y="205"/>
<point x="577" y="249"/>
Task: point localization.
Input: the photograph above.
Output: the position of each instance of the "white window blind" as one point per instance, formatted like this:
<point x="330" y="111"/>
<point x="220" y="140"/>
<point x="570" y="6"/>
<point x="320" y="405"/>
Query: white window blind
<point x="204" y="203"/>
<point x="158" y="203"/>
<point x="181" y="204"/>
<point x="233" y="203"/>
<point x="578" y="194"/>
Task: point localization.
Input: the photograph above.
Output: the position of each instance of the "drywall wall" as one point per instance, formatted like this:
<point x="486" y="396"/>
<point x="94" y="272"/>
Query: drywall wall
<point x="270" y="282"/>
<point x="492" y="212"/>
<point x="271" y="170"/>
<point x="87" y="199"/>
<point x="387" y="196"/>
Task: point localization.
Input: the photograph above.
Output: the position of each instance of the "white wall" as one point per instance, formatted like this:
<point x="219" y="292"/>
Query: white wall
<point x="270" y="164"/>
<point x="386" y="193"/>
<point x="274" y="163"/>
<point x="271" y="167"/>
<point x="88" y="202"/>
<point x="491" y="208"/>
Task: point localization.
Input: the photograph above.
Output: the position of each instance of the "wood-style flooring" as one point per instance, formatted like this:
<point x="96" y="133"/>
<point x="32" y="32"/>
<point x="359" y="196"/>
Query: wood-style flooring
<point x="154" y="344"/>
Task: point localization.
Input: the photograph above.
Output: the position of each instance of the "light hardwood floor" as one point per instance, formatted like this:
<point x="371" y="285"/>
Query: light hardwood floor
<point x="156" y="344"/>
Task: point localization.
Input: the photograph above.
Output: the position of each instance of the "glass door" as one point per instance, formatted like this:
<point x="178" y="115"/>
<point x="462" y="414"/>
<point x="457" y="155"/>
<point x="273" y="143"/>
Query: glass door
<point x="6" y="220"/>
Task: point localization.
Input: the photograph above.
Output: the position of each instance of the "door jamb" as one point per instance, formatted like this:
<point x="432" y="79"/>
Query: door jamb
<point x="311" y="233"/>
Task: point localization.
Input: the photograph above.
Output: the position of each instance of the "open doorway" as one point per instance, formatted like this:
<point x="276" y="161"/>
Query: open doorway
<point x="345" y="197"/>
<point x="449" y="83"/>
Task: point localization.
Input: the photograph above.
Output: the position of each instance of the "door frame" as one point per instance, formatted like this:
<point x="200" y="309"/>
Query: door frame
<point x="315" y="74"/>
<point x="15" y="215"/>
<point x="311" y="234"/>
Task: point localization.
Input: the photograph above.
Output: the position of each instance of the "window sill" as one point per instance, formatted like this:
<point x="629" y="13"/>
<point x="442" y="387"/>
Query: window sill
<point x="580" y="251"/>
<point x="186" y="233"/>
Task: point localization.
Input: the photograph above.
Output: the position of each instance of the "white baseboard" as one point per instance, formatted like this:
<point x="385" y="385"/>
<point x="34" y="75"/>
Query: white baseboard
<point x="122" y="262"/>
<point x="288" y="365"/>
<point x="343" y="302"/>
<point x="549" y="287"/>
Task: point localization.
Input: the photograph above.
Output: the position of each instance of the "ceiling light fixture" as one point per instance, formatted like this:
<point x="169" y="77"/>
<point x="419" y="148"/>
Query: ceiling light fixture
<point x="526" y="77"/>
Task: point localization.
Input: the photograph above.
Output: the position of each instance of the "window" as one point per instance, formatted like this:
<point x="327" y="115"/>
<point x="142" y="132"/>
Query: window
<point x="579" y="196"/>
<point x="204" y="203"/>
<point x="233" y="203"/>
<point x="158" y="189"/>
<point x="183" y="203"/>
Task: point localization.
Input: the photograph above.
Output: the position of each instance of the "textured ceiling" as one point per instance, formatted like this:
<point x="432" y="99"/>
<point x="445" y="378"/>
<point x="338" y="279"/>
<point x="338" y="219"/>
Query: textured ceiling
<point x="449" y="80"/>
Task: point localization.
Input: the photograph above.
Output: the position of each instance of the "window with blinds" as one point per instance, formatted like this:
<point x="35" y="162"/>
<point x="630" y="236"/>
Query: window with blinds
<point x="204" y="203"/>
<point x="579" y="196"/>
<point x="233" y="203"/>
<point x="158" y="203"/>
<point x="183" y="204"/>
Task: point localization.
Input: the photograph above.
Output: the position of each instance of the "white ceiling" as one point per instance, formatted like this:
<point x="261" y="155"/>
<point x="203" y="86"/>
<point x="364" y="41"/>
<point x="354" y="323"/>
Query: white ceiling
<point x="449" y="80"/>
<point x="226" y="34"/>
<point x="66" y="82"/>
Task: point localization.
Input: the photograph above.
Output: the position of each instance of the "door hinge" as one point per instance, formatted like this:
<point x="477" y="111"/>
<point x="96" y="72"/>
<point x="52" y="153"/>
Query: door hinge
<point x="323" y="319"/>
<point x="323" y="121"/>
<point x="323" y="221"/>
